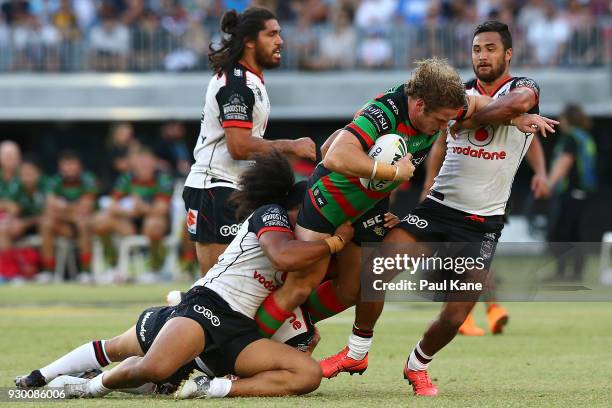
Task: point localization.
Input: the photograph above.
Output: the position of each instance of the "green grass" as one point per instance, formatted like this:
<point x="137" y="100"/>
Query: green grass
<point x="553" y="354"/>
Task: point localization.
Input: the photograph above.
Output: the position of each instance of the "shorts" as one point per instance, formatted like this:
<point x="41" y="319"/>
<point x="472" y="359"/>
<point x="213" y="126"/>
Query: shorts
<point x="226" y="331"/>
<point x="148" y="327"/>
<point x="431" y="221"/>
<point x="210" y="215"/>
<point x="369" y="227"/>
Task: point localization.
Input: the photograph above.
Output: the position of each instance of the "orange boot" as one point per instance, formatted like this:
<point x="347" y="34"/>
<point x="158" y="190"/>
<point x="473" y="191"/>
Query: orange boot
<point x="497" y="317"/>
<point x="469" y="328"/>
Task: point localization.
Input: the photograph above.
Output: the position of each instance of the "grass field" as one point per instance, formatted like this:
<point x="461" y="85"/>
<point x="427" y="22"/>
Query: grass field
<point x="553" y="354"/>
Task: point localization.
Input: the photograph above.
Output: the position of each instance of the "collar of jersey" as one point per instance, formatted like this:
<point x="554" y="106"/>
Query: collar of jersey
<point x="482" y="91"/>
<point x="252" y="70"/>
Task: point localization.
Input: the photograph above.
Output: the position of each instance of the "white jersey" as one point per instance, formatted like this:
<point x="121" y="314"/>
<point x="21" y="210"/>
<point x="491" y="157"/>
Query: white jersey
<point x="236" y="98"/>
<point x="243" y="276"/>
<point x="477" y="174"/>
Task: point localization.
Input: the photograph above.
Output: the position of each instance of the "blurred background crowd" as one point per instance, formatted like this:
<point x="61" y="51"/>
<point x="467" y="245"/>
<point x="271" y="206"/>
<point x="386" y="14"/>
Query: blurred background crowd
<point x="173" y="35"/>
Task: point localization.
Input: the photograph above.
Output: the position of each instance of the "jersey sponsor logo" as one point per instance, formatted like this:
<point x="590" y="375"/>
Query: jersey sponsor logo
<point x="273" y="218"/>
<point x="142" y="326"/>
<point x="294" y="322"/>
<point x="235" y="108"/>
<point x="268" y="284"/>
<point x="416" y="221"/>
<point x="479" y="153"/>
<point x="227" y="230"/>
<point x="192" y="221"/>
<point x="481" y="136"/>
<point x="319" y="199"/>
<point x="237" y="72"/>
<point x="378" y="118"/>
<point x="207" y="314"/>
<point x="393" y="106"/>
<point x="370" y="222"/>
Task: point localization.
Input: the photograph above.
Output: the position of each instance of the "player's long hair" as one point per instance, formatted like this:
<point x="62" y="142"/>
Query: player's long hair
<point x="237" y="28"/>
<point x="269" y="180"/>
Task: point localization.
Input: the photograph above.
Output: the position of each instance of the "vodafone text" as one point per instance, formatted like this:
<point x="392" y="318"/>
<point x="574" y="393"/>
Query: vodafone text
<point x="479" y="153"/>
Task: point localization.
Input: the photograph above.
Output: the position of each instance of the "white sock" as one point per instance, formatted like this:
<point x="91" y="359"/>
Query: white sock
<point x="358" y="346"/>
<point x="95" y="388"/>
<point x="86" y="357"/>
<point x="414" y="363"/>
<point x="219" y="387"/>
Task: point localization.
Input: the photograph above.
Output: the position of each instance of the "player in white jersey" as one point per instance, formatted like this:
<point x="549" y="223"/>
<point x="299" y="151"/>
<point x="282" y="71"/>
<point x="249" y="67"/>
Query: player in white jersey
<point x="233" y="124"/>
<point x="466" y="205"/>
<point x="213" y="328"/>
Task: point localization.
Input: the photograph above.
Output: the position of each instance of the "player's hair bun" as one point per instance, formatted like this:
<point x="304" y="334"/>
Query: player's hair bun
<point x="229" y="22"/>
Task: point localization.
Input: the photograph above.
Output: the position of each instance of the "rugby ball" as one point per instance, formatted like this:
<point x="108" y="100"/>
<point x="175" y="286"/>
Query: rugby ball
<point x="388" y="149"/>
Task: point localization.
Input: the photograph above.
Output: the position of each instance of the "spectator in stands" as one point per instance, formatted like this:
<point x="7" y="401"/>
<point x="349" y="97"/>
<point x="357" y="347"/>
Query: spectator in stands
<point x="29" y="204"/>
<point x="303" y="42"/>
<point x="413" y="12"/>
<point x="5" y="42"/>
<point x="13" y="10"/>
<point x="173" y="156"/>
<point x="375" y="50"/>
<point x="192" y="47"/>
<point x="149" y="43"/>
<point x="573" y="178"/>
<point x="70" y="204"/>
<point x="140" y="205"/>
<point x="375" y="14"/>
<point x="337" y="45"/>
<point x="109" y="43"/>
<point x="582" y="44"/>
<point x="135" y="11"/>
<point x="65" y="21"/>
<point x="86" y="13"/>
<point x="547" y="37"/>
<point x="36" y="44"/>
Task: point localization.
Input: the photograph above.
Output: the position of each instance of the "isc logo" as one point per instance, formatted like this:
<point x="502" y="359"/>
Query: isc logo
<point x="372" y="221"/>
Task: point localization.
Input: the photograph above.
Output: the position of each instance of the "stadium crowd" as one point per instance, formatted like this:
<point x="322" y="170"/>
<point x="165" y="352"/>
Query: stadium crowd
<point x="140" y="35"/>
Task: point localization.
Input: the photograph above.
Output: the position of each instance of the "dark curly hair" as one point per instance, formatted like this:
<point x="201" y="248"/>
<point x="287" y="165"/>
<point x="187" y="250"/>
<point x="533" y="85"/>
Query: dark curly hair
<point x="237" y="27"/>
<point x="269" y="180"/>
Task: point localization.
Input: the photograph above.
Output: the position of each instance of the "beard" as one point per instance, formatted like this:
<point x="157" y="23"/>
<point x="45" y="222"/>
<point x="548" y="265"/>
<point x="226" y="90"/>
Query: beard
<point x="265" y="61"/>
<point x="493" y="74"/>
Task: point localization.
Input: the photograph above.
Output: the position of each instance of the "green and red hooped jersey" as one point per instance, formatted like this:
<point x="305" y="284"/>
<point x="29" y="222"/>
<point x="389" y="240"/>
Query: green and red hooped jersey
<point x="73" y="190"/>
<point x="339" y="198"/>
<point x="161" y="186"/>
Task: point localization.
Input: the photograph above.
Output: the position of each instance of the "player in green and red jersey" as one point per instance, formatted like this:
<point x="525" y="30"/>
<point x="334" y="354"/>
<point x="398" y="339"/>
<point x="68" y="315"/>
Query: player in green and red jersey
<point x="70" y="203"/>
<point x="29" y="199"/>
<point x="141" y="204"/>
<point x="419" y="111"/>
<point x="10" y="157"/>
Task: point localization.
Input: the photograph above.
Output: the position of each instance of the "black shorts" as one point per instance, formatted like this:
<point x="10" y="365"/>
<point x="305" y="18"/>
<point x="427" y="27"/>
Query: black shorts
<point x="368" y="228"/>
<point x="226" y="330"/>
<point x="148" y="327"/>
<point x="431" y="221"/>
<point x="210" y="215"/>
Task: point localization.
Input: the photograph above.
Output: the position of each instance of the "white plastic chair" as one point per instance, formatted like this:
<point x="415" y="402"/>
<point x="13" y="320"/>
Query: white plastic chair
<point x="605" y="267"/>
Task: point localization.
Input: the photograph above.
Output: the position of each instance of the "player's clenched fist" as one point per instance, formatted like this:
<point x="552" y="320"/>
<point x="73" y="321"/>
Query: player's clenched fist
<point x="304" y="147"/>
<point x="405" y="168"/>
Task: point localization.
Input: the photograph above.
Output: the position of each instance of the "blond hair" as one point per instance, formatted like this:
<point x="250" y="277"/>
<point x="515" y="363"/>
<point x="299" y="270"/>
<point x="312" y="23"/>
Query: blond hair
<point x="437" y="83"/>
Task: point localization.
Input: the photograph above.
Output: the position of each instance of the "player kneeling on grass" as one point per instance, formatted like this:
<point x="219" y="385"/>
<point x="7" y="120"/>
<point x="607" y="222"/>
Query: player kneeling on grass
<point x="215" y="319"/>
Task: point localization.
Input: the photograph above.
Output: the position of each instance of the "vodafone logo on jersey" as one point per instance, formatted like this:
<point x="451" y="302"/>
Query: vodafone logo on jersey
<point x="268" y="284"/>
<point x="480" y="138"/>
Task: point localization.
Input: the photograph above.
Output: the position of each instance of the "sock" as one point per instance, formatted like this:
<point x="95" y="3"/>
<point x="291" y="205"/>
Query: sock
<point x="359" y="343"/>
<point x="85" y="260"/>
<point x="418" y="361"/>
<point x="323" y="302"/>
<point x="95" y="388"/>
<point x="83" y="358"/>
<point x="48" y="263"/>
<point x="270" y="317"/>
<point x="219" y="387"/>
